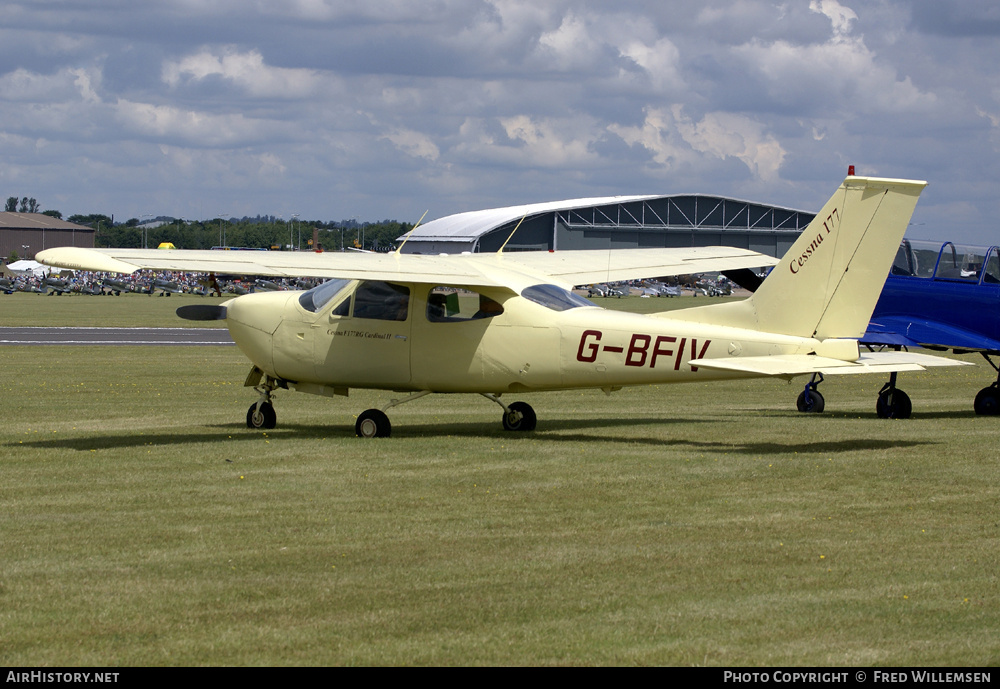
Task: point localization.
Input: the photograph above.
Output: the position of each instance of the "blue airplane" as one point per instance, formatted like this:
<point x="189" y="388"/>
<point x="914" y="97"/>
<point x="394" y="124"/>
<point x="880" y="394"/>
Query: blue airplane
<point x="937" y="296"/>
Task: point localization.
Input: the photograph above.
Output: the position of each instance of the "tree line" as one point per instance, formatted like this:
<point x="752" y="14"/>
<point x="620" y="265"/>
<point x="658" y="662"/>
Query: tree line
<point x="260" y="232"/>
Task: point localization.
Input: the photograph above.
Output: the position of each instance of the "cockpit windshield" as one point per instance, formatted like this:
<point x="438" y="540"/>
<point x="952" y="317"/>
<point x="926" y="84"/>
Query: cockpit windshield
<point x="320" y="295"/>
<point x="555" y="297"/>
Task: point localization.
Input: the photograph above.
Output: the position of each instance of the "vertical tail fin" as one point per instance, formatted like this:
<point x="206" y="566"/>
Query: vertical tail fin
<point x="827" y="284"/>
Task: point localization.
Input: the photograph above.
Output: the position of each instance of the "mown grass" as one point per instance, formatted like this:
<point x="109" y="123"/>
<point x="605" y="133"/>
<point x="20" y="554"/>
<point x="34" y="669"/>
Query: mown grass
<point x="704" y="524"/>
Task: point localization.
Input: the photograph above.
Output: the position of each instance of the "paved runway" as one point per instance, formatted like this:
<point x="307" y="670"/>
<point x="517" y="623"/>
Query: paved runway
<point x="115" y="336"/>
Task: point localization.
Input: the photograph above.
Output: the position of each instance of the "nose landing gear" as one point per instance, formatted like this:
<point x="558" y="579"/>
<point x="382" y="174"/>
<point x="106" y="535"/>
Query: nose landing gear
<point x="261" y="414"/>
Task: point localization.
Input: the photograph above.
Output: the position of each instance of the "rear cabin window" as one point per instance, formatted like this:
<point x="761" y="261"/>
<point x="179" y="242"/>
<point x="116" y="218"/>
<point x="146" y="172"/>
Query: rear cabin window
<point x="453" y="305"/>
<point x="555" y="297"/>
<point x="381" y="301"/>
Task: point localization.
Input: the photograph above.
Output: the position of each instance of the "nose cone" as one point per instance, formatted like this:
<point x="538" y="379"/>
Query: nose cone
<point x="252" y="320"/>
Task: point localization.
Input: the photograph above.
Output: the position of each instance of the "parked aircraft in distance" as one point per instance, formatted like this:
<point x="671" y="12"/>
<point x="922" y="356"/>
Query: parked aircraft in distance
<point x="496" y="324"/>
<point x="942" y="297"/>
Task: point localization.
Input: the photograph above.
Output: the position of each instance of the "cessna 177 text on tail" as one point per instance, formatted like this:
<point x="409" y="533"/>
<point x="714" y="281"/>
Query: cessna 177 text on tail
<point x="497" y="324"/>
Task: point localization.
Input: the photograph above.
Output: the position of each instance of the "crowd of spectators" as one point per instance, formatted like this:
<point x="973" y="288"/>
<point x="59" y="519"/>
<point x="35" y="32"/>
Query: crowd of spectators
<point x="140" y="282"/>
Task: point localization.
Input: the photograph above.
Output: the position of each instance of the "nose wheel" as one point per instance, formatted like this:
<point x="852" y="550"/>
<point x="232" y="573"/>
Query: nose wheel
<point x="261" y="415"/>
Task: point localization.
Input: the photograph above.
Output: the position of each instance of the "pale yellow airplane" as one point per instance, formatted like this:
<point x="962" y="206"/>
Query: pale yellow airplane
<point x="496" y="324"/>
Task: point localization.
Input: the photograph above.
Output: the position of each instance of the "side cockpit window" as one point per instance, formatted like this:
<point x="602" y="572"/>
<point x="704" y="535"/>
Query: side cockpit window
<point x="382" y="301"/>
<point x="320" y="295"/>
<point x="454" y="305"/>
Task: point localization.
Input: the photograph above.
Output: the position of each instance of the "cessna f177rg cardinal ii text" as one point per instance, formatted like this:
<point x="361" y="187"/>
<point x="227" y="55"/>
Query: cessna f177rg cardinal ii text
<point x="496" y="324"/>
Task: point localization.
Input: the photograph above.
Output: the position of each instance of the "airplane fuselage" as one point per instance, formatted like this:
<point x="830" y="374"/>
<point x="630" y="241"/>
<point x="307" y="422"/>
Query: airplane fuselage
<point x="527" y="347"/>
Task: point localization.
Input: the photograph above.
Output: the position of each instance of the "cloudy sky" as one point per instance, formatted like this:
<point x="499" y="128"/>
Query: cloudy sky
<point x="380" y="109"/>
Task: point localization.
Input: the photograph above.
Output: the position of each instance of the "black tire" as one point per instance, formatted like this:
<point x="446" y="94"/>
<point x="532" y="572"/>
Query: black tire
<point x="815" y="405"/>
<point x="893" y="404"/>
<point x="525" y="423"/>
<point x="263" y="417"/>
<point x="373" y="424"/>
<point x="987" y="401"/>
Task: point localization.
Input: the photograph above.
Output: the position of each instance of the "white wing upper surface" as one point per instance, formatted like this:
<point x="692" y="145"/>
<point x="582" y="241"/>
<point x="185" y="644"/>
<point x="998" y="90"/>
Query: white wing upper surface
<point x="514" y="270"/>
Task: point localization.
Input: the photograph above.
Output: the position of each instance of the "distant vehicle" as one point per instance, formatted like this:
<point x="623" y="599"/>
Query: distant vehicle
<point x="937" y="296"/>
<point x="7" y="286"/>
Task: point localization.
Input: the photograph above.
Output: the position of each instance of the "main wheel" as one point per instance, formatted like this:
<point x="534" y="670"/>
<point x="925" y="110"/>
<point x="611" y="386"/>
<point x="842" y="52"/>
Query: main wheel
<point x="264" y="417"/>
<point x="527" y="422"/>
<point x="893" y="404"/>
<point x="988" y="401"/>
<point x="815" y="405"/>
<point x="373" y="424"/>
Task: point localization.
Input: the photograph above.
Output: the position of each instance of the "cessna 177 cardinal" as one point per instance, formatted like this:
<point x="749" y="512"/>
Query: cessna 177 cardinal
<point x="503" y="323"/>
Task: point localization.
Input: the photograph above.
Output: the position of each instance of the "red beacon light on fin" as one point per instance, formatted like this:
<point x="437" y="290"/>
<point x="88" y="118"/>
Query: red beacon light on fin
<point x="850" y="171"/>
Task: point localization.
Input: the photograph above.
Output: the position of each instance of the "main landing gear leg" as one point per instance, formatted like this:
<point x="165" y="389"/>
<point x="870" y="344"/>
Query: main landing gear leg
<point x="519" y="416"/>
<point x="988" y="399"/>
<point x="810" y="401"/>
<point x="374" y="423"/>
<point x="261" y="414"/>
<point x="893" y="403"/>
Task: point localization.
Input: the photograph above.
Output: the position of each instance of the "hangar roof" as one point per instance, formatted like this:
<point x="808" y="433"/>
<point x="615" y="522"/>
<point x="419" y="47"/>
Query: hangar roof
<point x="38" y="221"/>
<point x="463" y="226"/>
<point x="692" y="211"/>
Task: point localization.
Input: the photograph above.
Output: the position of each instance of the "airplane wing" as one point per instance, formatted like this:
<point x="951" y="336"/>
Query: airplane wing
<point x="511" y="270"/>
<point x="908" y="332"/>
<point x="584" y="267"/>
<point x="788" y="365"/>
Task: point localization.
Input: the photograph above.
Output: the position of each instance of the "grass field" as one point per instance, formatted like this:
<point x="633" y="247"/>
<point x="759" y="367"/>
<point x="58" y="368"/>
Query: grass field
<point x="707" y="524"/>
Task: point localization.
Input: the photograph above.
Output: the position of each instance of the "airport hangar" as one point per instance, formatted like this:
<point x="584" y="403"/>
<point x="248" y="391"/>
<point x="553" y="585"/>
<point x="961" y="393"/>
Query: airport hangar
<point x="616" y="222"/>
<point x="28" y="233"/>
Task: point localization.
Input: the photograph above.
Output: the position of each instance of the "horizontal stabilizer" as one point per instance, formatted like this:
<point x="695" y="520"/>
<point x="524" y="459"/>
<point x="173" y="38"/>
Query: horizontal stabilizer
<point x="804" y="364"/>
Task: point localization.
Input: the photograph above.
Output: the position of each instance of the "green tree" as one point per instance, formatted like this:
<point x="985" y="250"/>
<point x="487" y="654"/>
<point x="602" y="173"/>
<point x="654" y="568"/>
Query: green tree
<point x="11" y="204"/>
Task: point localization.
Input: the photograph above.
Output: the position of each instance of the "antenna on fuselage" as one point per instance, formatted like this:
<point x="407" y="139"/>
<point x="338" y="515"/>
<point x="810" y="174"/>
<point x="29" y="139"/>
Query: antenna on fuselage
<point x="500" y="251"/>
<point x="399" y="249"/>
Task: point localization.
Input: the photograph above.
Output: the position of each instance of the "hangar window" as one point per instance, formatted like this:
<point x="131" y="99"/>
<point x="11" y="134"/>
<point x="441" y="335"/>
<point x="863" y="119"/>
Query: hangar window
<point x="454" y="305"/>
<point x="382" y="301"/>
<point x="555" y="297"/>
<point x="320" y="295"/>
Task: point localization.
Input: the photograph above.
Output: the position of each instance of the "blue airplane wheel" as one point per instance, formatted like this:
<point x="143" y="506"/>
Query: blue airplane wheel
<point x="525" y="423"/>
<point x="263" y="417"/>
<point x="815" y="405"/>
<point x="988" y="401"/>
<point x="893" y="404"/>
<point x="373" y="424"/>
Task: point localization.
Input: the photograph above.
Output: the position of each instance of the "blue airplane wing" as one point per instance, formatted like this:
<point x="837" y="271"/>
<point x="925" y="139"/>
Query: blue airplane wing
<point x="914" y="332"/>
